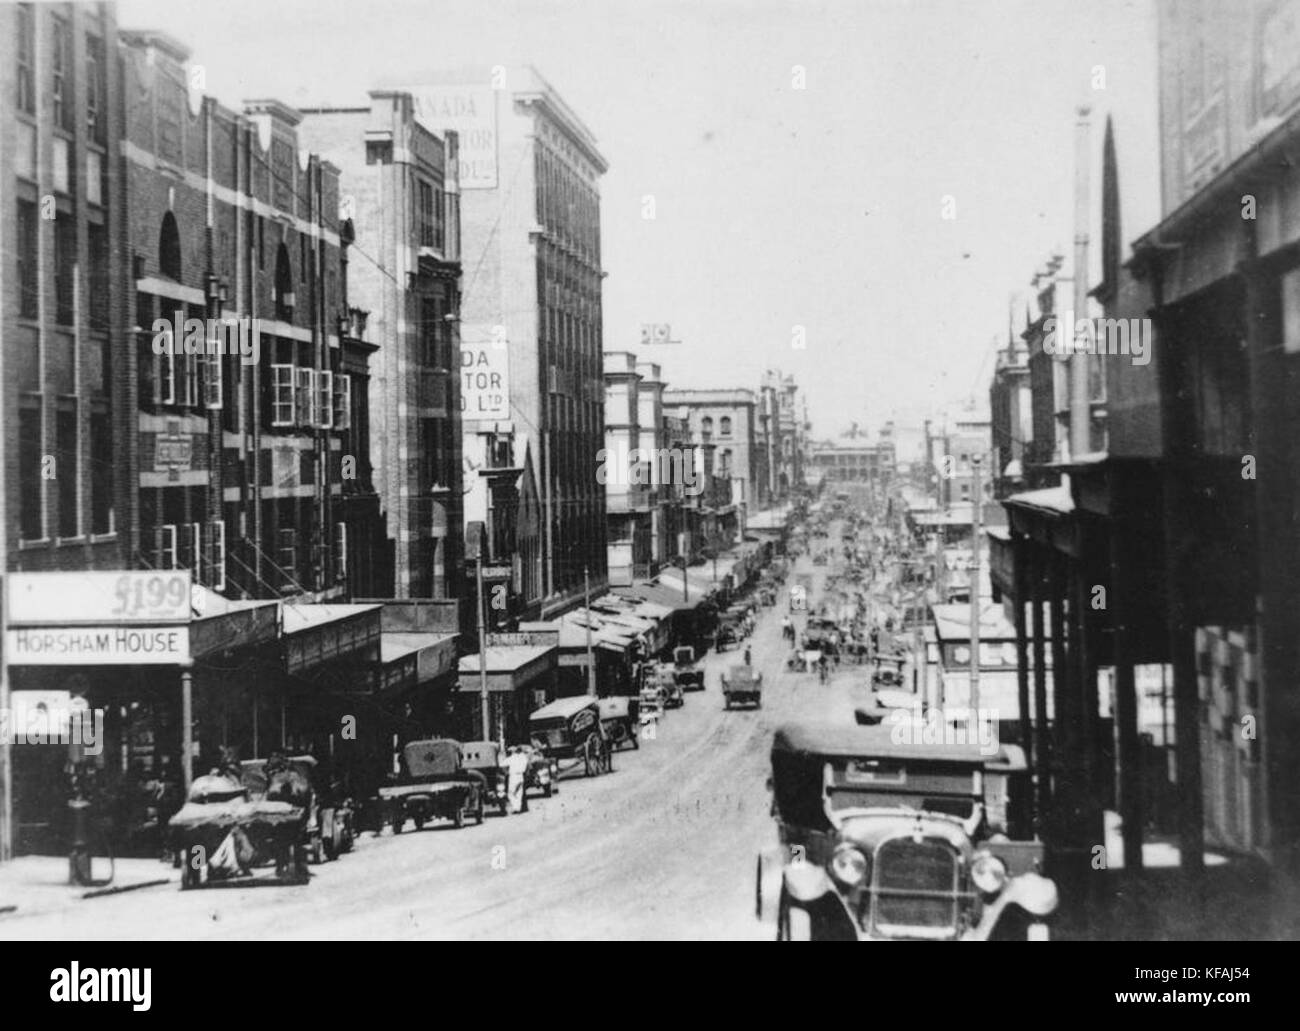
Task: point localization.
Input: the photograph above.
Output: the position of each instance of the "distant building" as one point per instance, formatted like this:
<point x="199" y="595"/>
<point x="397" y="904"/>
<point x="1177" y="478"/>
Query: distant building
<point x="530" y="211"/>
<point x="725" y="423"/>
<point x="399" y="186"/>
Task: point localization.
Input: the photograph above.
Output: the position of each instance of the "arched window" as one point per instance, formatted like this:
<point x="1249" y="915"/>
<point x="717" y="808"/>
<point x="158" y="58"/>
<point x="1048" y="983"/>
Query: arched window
<point x="169" y="248"/>
<point x="706" y="427"/>
<point x="724" y="426"/>
<point x="283" y="285"/>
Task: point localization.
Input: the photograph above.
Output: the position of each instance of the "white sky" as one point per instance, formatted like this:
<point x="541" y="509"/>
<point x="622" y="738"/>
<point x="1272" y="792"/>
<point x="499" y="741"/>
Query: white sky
<point x="775" y="207"/>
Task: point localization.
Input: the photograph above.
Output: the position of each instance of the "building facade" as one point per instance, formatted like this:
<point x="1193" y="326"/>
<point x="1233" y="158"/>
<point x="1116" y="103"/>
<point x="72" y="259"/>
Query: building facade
<point x="70" y="499"/>
<point x="399" y="186"/>
<point x="530" y="209"/>
<point x="724" y="423"/>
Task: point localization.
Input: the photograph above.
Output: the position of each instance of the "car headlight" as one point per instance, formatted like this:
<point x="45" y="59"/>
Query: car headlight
<point x="989" y="873"/>
<point x="849" y="866"/>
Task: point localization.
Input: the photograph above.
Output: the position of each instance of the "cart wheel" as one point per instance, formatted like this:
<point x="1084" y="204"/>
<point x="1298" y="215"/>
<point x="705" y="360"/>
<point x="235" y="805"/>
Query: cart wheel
<point x="419" y="823"/>
<point x="398" y="820"/>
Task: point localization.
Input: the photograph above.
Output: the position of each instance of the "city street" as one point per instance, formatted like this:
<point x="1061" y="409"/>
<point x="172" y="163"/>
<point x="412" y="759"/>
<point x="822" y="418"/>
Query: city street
<point x="661" y="849"/>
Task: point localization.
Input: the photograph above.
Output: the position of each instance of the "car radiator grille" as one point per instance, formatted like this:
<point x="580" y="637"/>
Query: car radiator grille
<point x="917" y="889"/>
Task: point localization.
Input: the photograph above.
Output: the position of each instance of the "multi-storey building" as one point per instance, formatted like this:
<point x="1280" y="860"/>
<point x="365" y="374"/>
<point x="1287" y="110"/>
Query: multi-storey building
<point x="399" y="185"/>
<point x="530" y="210"/>
<point x="69" y="496"/>
<point x="725" y="421"/>
<point x="241" y="454"/>
<point x="1011" y="416"/>
<point x="780" y="435"/>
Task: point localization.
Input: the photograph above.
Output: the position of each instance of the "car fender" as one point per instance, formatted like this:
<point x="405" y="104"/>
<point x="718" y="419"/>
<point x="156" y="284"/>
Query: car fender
<point x="1032" y="892"/>
<point x="806" y="882"/>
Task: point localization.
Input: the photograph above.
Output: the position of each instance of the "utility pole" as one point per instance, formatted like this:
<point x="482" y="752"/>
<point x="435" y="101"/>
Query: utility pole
<point x="1080" y="406"/>
<point x="686" y="558"/>
<point x="977" y="512"/>
<point x="591" y="665"/>
<point x="482" y="633"/>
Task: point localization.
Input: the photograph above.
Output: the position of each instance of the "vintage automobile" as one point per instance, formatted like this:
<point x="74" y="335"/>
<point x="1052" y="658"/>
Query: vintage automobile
<point x="542" y="772"/>
<point x="571" y="729"/>
<point x="331" y="819"/>
<point x="742" y="685"/>
<point x="434" y="785"/>
<point x="885" y="838"/>
<point x="652" y="701"/>
<point x="688" y="671"/>
<point x="487" y="759"/>
<point x="621" y="717"/>
<point x="727" y="636"/>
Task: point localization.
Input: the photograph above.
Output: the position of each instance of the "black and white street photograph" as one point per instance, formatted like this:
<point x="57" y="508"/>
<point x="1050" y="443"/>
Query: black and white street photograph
<point x="651" y="470"/>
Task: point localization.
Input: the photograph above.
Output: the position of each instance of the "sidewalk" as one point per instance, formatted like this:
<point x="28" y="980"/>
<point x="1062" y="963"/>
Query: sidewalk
<point x="39" y="884"/>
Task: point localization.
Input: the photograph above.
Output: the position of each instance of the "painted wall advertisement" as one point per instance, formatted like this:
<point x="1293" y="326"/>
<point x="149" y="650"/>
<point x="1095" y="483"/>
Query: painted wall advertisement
<point x="472" y="111"/>
<point x="484" y="375"/>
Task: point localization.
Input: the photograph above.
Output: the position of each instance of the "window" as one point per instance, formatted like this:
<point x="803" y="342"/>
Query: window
<point x="426" y="218"/>
<point x="217" y="555"/>
<point x="212" y="379"/>
<point x="724" y="426"/>
<point x="61" y="73"/>
<point x="26" y="59"/>
<point x="283" y="296"/>
<point x="286" y="557"/>
<point x="341" y="551"/>
<point x="30" y="454"/>
<point x="169" y="248"/>
<point x="168" y="553"/>
<point x="171" y="114"/>
<point x="95" y="120"/>
<point x="325" y="400"/>
<point x="66" y="467"/>
<point x="343" y="402"/>
<point x="706" y="427"/>
<point x="101" y="472"/>
<point x="189" y="380"/>
<point x="97" y="256"/>
<point x="65" y="267"/>
<point x="306" y="399"/>
<point x="282" y="395"/>
<point x="27" y="230"/>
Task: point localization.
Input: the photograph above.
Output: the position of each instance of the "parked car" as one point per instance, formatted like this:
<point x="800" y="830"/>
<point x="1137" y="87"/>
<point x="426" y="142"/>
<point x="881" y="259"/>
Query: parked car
<point x="886" y="841"/>
<point x="742" y="685"/>
<point x="541" y="774"/>
<point x="622" y="719"/>
<point x="486" y="759"/>
<point x="571" y="729"/>
<point x="688" y="671"/>
<point x="434" y="785"/>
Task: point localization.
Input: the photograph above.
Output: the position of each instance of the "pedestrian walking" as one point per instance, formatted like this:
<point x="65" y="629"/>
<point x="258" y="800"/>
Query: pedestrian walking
<point x="749" y="659"/>
<point x="516" y="773"/>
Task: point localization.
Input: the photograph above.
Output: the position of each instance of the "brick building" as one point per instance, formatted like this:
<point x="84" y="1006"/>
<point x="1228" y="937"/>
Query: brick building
<point x="399" y="186"/>
<point x="69" y="465"/>
<point x="241" y="455"/>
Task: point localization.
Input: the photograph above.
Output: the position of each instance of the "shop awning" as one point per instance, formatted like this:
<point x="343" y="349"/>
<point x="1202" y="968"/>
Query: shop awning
<point x="508" y="666"/>
<point x="407" y="660"/>
<point x="314" y="634"/>
<point x="222" y="624"/>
